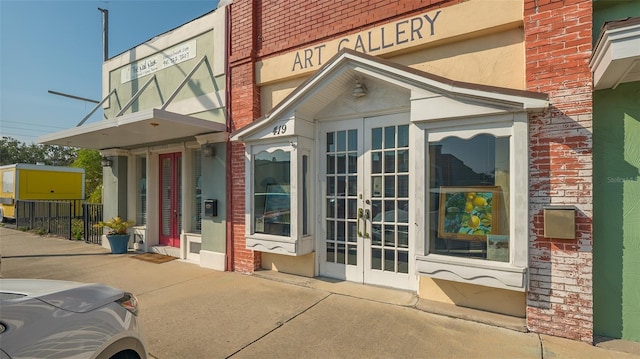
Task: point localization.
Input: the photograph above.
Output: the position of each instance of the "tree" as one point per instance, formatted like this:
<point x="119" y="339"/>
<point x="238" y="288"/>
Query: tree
<point x="90" y="161"/>
<point x="9" y="151"/>
<point x="13" y="151"/>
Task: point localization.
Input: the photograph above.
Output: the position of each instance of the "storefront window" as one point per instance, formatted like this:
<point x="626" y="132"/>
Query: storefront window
<point x="141" y="195"/>
<point x="469" y="197"/>
<point x="272" y="199"/>
<point x="197" y="201"/>
<point x="305" y="194"/>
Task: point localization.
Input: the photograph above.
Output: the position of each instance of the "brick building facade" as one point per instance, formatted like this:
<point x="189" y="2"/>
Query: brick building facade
<point x="556" y="46"/>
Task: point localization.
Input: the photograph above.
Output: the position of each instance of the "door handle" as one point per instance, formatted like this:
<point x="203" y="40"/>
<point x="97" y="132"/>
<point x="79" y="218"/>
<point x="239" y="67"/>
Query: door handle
<point x="367" y="215"/>
<point x="360" y="214"/>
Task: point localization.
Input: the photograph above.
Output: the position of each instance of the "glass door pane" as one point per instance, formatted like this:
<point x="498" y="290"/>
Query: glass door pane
<point x="389" y="184"/>
<point x="388" y="248"/>
<point x="342" y="227"/>
<point x="341" y="197"/>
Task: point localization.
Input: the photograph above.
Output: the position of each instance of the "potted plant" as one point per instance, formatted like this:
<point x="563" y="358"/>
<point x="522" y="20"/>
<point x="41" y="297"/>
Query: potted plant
<point x="117" y="234"/>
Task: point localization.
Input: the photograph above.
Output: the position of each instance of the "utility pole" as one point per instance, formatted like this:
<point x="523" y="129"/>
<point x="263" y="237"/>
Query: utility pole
<point x="105" y="33"/>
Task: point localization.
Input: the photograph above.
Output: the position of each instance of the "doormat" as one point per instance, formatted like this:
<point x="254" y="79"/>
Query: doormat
<point x="154" y="257"/>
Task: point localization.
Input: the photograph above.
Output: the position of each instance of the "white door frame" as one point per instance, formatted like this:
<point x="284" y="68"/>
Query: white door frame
<point x="361" y="221"/>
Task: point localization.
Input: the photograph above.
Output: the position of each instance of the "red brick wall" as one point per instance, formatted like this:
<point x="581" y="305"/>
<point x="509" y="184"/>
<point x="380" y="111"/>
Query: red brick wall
<point x="244" y="107"/>
<point x="558" y="47"/>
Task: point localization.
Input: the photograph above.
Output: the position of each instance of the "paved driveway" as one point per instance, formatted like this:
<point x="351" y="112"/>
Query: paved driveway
<point x="191" y="312"/>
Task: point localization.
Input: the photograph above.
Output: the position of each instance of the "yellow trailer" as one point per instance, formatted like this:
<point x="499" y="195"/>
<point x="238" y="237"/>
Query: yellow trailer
<point x="38" y="182"/>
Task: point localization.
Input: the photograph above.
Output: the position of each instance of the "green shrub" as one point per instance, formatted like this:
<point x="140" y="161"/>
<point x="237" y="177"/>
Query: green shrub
<point x="77" y="229"/>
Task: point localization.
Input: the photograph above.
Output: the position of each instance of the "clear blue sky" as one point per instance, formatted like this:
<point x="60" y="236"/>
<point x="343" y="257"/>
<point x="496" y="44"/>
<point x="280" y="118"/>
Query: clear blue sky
<point x="57" y="45"/>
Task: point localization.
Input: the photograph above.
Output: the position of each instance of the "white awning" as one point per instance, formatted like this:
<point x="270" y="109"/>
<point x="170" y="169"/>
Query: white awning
<point x="135" y="129"/>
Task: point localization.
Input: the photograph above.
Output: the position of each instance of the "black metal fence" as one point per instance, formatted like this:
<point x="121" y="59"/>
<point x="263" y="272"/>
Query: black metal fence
<point x="67" y="219"/>
<point x="91" y="215"/>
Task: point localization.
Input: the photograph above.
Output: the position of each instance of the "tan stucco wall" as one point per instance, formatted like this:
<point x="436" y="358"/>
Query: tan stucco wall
<point x="488" y="52"/>
<point x="473" y="296"/>
<point x="495" y="59"/>
<point x="450" y="24"/>
<point x="302" y="265"/>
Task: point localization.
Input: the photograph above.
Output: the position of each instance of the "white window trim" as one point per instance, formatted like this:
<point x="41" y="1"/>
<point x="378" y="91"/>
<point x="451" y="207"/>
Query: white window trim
<point x="512" y="275"/>
<point x="295" y="244"/>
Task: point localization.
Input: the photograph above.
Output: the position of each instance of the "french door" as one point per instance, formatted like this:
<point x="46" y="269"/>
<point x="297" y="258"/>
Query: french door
<point x="365" y="234"/>
<point x="170" y="199"/>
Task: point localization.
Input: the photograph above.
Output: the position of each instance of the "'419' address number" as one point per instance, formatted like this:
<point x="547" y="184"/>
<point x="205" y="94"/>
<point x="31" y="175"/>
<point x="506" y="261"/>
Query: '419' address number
<point x="279" y="130"/>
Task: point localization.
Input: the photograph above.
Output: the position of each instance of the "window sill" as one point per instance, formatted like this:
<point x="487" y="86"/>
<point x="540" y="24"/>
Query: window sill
<point x="280" y="245"/>
<point x="485" y="273"/>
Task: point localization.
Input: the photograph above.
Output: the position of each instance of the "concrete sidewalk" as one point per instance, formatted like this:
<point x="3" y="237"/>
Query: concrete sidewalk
<point x="191" y="312"/>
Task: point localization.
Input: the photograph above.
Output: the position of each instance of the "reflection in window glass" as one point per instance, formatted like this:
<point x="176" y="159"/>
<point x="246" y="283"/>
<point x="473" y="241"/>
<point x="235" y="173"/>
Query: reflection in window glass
<point x="305" y="194"/>
<point x="469" y="197"/>
<point x="353" y="140"/>
<point x="197" y="202"/>
<point x="390" y="137"/>
<point x="342" y="141"/>
<point x="389" y="198"/>
<point x="330" y="142"/>
<point x="141" y="189"/>
<point x="403" y="136"/>
<point x="376" y="138"/>
<point x="272" y="202"/>
<point x="341" y="203"/>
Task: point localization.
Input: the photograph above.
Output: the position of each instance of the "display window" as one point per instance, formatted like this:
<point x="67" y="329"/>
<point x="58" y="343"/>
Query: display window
<point x="196" y="223"/>
<point x="141" y="190"/>
<point x="469" y="197"/>
<point x="272" y="192"/>
<point x="476" y="200"/>
<point x="280" y="200"/>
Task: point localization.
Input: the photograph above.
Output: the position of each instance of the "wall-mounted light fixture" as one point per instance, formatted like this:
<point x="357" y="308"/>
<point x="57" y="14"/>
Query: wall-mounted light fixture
<point x="208" y="150"/>
<point x="359" y="90"/>
<point x="105" y="162"/>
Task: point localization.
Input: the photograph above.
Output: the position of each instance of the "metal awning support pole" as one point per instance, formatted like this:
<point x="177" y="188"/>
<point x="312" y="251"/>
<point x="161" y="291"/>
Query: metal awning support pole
<point x="135" y="97"/>
<point x="95" y="108"/>
<point x="105" y="34"/>
<point x="184" y="82"/>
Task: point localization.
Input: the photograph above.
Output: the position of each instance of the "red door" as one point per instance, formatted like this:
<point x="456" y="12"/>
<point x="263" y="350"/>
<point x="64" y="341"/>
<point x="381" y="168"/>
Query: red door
<point x="170" y="199"/>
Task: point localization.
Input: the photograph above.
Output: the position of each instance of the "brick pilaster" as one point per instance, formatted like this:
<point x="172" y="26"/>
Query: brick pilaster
<point x="558" y="48"/>
<point x="244" y="108"/>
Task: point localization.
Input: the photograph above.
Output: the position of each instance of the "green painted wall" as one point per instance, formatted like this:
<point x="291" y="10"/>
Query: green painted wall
<point x="214" y="173"/>
<point x="609" y="10"/>
<point x="167" y="81"/>
<point x="616" y="195"/>
<point x="616" y="224"/>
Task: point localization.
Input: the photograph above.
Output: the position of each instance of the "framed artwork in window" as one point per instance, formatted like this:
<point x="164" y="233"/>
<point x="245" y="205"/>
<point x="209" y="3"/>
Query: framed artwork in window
<point x="469" y="213"/>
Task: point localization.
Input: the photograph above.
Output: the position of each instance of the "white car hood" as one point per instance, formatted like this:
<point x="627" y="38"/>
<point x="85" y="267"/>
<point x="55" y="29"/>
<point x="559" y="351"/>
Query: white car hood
<point x="71" y="296"/>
